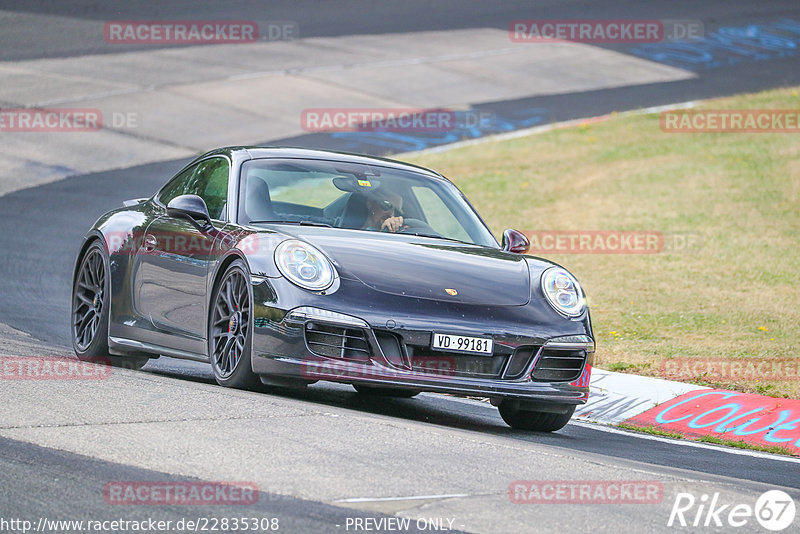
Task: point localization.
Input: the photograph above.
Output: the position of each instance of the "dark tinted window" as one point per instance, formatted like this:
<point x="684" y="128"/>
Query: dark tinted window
<point x="208" y="179"/>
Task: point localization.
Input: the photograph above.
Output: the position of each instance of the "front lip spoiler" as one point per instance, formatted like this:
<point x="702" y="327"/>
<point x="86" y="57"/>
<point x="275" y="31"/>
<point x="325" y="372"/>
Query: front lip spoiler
<point x="376" y="375"/>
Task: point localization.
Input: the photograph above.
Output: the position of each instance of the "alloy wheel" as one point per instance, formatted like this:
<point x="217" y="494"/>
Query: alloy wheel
<point x="87" y="306"/>
<point x="230" y="323"/>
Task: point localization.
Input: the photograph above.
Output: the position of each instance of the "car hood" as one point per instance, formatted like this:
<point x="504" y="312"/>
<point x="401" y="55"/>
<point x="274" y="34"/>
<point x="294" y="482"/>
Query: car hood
<point x="420" y="267"/>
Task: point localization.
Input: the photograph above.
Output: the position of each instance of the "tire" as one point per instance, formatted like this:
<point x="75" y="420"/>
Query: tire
<point x="89" y="311"/>
<point x="387" y="392"/>
<point x="230" y="329"/>
<point x="520" y="419"/>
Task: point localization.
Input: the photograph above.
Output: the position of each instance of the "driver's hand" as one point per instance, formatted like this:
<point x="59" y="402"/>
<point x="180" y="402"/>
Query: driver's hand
<point x="392" y="224"/>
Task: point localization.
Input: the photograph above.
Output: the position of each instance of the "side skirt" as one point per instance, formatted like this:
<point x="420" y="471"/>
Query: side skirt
<point x="122" y="346"/>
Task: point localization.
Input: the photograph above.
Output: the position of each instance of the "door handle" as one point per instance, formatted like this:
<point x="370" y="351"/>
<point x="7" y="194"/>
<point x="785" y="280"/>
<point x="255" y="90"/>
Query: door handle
<point x="150" y="243"/>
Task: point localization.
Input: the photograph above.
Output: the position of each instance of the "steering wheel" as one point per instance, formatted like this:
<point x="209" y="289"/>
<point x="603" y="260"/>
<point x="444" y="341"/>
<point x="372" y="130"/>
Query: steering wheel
<point x="416" y="226"/>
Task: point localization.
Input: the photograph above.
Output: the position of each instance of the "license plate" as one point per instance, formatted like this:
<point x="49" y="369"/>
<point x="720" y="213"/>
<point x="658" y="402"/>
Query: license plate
<point x="476" y="345"/>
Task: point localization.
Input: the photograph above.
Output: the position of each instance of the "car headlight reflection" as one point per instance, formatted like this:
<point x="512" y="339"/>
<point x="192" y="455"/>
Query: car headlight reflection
<point x="304" y="265"/>
<point x="563" y="291"/>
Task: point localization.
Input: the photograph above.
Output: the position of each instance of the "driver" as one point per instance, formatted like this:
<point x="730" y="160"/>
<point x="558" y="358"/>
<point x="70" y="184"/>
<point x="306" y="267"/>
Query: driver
<point x="384" y="211"/>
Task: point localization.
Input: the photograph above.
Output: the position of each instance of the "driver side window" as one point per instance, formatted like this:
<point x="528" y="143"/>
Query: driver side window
<point x="207" y="179"/>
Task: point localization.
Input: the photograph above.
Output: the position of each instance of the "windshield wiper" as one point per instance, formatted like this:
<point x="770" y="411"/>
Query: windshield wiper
<point x="300" y="223"/>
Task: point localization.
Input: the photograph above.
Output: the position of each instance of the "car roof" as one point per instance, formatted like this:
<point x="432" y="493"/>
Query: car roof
<point x="262" y="152"/>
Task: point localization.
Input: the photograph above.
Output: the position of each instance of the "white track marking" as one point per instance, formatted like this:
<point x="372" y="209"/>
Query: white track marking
<point x="409" y="498"/>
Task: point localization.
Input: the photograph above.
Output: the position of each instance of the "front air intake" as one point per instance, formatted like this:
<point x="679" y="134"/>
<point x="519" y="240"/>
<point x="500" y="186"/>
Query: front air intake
<point x="520" y="361"/>
<point x="559" y="365"/>
<point x="336" y="341"/>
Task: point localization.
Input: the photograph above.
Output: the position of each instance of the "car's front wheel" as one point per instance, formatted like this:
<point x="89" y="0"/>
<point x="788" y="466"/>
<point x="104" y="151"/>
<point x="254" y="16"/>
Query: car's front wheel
<point x="90" y="310"/>
<point x="520" y="418"/>
<point x="230" y="329"/>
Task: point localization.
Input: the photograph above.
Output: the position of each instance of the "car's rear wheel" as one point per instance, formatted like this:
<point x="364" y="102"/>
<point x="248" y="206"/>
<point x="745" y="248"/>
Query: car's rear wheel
<point x="230" y="329"/>
<point x="90" y="310"/>
<point x="524" y="419"/>
<point x="387" y="392"/>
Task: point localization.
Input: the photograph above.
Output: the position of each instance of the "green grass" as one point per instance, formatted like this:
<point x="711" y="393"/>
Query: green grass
<point x="735" y="296"/>
<point x="774" y="449"/>
<point x="656" y="431"/>
<point x="620" y="366"/>
<point x="650" y="430"/>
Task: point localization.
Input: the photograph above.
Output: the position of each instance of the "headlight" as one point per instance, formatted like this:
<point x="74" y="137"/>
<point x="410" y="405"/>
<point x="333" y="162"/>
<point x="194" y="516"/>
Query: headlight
<point x="304" y="265"/>
<point x="563" y="292"/>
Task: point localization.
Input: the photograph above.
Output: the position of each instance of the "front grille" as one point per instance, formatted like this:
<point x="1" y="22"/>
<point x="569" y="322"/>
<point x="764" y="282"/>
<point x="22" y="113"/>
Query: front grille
<point x="444" y="363"/>
<point x="336" y="341"/>
<point x="412" y="349"/>
<point x="558" y="365"/>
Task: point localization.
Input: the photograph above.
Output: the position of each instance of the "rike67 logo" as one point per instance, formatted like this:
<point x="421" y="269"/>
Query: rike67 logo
<point x="773" y="510"/>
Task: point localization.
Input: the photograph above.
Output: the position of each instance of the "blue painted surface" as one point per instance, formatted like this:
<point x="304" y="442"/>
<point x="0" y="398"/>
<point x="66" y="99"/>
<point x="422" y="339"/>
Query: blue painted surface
<point x="728" y="45"/>
<point x="470" y="124"/>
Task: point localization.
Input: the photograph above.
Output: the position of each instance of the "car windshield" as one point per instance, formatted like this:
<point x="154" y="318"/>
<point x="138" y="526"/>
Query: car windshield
<point x="357" y="196"/>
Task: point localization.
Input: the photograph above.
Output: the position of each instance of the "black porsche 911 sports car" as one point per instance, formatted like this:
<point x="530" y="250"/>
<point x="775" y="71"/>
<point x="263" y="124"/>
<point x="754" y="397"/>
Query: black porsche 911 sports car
<point x="288" y="266"/>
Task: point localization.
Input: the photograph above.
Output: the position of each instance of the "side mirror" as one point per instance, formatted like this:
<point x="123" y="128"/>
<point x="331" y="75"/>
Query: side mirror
<point x="190" y="207"/>
<point x="515" y="241"/>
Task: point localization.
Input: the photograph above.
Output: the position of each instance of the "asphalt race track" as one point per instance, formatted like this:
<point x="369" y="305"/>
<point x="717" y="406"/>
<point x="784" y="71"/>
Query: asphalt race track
<point x="324" y="456"/>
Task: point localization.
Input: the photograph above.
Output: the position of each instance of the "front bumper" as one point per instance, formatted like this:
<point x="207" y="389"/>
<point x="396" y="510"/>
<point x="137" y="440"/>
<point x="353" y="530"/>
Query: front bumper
<point x="393" y="350"/>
